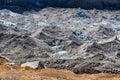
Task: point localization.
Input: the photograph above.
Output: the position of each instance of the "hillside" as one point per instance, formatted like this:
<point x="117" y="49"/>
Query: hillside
<point x="17" y="73"/>
<point x="59" y="40"/>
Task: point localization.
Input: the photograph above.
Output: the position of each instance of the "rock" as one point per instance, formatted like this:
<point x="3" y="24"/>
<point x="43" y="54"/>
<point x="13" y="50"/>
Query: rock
<point x="34" y="65"/>
<point x="108" y="48"/>
<point x="83" y="15"/>
<point x="109" y="67"/>
<point x="87" y="67"/>
<point x="10" y="64"/>
<point x="95" y="64"/>
<point x="118" y="55"/>
<point x="118" y="37"/>
<point x="21" y="45"/>
<point x="117" y="18"/>
<point x="102" y="33"/>
<point x="80" y="35"/>
<point x="55" y="42"/>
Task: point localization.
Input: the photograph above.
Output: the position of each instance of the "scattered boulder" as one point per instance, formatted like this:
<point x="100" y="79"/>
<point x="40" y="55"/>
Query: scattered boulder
<point x="34" y="65"/>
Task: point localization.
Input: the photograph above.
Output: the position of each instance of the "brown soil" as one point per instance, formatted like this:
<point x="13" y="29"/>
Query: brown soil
<point x="10" y="73"/>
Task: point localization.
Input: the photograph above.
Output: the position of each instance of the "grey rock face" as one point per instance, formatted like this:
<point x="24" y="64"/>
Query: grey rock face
<point x="110" y="48"/>
<point x="98" y="63"/>
<point x="21" y="45"/>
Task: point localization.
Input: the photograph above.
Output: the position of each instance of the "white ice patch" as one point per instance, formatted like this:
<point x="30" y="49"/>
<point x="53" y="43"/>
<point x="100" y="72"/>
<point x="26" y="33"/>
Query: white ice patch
<point x="6" y="12"/>
<point x="42" y="24"/>
<point x="118" y="37"/>
<point x="62" y="52"/>
<point x="7" y="23"/>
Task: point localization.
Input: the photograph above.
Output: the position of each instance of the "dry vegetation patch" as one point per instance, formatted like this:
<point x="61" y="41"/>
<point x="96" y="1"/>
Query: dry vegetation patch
<point x="9" y="73"/>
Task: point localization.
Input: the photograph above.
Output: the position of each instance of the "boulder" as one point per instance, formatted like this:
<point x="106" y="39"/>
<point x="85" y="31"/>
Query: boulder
<point x="118" y="37"/>
<point x="34" y="65"/>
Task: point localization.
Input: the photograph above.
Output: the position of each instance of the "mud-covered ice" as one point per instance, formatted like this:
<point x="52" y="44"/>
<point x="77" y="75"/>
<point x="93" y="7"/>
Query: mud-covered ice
<point x="69" y="18"/>
<point x="83" y="41"/>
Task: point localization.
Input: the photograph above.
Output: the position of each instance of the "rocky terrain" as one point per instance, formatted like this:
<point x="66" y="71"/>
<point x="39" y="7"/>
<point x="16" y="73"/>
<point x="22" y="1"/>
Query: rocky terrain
<point x="8" y="72"/>
<point x="82" y="41"/>
<point x="29" y="74"/>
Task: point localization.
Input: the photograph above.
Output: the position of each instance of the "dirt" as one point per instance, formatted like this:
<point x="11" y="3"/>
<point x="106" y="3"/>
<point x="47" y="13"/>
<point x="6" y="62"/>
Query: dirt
<point x="8" y="72"/>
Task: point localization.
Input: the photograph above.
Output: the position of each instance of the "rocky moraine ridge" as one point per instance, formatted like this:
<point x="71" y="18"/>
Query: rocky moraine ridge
<point x="83" y="41"/>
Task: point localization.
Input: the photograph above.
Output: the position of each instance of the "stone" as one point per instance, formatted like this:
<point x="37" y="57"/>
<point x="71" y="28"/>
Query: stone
<point x="118" y="37"/>
<point x="34" y="65"/>
<point x="82" y="15"/>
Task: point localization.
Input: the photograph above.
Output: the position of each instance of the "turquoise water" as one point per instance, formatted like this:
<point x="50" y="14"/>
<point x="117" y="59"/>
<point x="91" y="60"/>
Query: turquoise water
<point x="64" y="57"/>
